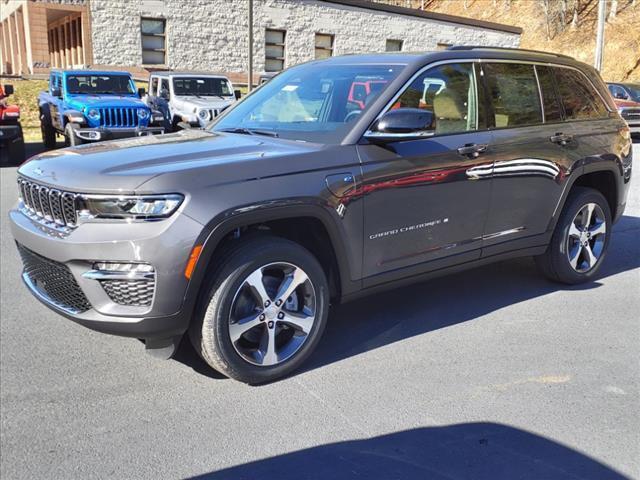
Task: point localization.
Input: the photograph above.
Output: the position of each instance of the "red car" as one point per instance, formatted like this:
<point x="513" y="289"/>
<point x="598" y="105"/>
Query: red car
<point x="627" y="98"/>
<point x="11" y="139"/>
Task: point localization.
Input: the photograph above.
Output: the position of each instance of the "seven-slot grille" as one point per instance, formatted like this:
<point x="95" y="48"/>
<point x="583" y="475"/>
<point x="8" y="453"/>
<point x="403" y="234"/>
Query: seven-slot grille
<point x="631" y="114"/>
<point x="49" y="204"/>
<point x="54" y="281"/>
<point x="118" y="117"/>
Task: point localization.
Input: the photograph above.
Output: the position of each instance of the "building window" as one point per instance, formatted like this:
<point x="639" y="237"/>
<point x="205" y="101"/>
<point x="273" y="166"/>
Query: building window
<point x="324" y="45"/>
<point x="394" y="45"/>
<point x="153" y="41"/>
<point x="274" y="50"/>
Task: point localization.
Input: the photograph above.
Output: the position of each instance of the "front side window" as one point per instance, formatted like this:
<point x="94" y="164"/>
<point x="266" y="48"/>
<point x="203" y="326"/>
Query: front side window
<point x="153" y="86"/>
<point x="153" y="41"/>
<point x="550" y="100"/>
<point x="449" y="91"/>
<point x="580" y="100"/>
<point x="164" y="88"/>
<point x="618" y="92"/>
<point x="201" y="87"/>
<point x="513" y="93"/>
<point x="96" y="84"/>
<point x="324" y="46"/>
<point x="311" y="102"/>
<point x="274" y="42"/>
<point x="633" y="89"/>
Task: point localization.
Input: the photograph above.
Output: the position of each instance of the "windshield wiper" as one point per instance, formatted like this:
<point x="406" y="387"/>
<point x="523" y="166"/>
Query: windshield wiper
<point x="249" y="131"/>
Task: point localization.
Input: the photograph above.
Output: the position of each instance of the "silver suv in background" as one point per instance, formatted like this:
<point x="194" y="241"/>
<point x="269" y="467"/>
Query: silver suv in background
<point x="189" y="98"/>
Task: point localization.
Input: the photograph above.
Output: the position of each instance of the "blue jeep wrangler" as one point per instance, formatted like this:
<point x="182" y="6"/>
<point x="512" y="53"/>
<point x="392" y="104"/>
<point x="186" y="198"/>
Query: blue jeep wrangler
<point x="88" y="105"/>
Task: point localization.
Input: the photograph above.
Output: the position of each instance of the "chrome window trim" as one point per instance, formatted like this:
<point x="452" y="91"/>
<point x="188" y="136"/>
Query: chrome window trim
<point x="480" y="61"/>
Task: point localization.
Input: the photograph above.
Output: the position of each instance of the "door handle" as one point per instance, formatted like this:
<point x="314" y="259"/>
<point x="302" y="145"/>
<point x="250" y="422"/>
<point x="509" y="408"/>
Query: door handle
<point x="561" y="138"/>
<point x="473" y="150"/>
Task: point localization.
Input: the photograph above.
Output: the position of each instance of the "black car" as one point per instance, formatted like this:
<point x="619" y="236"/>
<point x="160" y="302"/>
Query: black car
<point x="301" y="195"/>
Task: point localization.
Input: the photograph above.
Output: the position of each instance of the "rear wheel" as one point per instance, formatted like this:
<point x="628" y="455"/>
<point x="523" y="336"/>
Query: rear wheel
<point x="264" y="312"/>
<point x="580" y="240"/>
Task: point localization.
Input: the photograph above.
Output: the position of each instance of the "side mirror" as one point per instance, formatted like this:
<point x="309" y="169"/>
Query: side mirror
<point x="141" y="92"/>
<point x="8" y="90"/>
<point x="403" y="123"/>
<point x="237" y="94"/>
<point x="56" y="92"/>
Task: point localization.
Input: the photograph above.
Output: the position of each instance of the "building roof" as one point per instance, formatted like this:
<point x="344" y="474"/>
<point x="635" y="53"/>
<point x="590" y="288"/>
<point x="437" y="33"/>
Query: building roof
<point x="441" y="17"/>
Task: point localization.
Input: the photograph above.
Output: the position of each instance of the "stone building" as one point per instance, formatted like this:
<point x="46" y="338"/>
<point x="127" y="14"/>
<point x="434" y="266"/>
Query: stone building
<point x="212" y="35"/>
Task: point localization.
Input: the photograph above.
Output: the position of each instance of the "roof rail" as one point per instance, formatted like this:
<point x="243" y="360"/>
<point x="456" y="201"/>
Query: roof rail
<point x="484" y="47"/>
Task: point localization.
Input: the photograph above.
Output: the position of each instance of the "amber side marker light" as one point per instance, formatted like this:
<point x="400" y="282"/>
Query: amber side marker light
<point x="193" y="259"/>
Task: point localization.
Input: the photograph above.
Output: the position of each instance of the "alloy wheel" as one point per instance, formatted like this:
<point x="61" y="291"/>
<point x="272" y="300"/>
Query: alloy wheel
<point x="272" y="314"/>
<point x="586" y="238"/>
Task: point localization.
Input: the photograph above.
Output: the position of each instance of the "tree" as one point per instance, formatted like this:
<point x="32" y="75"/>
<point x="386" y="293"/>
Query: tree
<point x="575" y="23"/>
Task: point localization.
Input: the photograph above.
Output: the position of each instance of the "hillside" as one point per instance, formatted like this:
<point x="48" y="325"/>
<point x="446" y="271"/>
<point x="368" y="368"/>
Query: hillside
<point x="562" y="32"/>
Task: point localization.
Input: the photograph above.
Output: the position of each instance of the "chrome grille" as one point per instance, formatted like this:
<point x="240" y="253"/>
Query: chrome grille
<point x="54" y="281"/>
<point x="48" y="204"/>
<point x="138" y="293"/>
<point x="118" y="117"/>
<point x="631" y="113"/>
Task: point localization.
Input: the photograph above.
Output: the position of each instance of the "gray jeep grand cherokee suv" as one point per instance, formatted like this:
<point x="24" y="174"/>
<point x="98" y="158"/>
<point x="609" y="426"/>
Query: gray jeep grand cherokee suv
<point x="336" y="179"/>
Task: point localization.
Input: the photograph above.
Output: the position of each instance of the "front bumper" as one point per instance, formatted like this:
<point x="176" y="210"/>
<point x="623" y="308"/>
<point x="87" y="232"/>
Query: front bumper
<point x="165" y="245"/>
<point x="8" y="133"/>
<point x="100" y="134"/>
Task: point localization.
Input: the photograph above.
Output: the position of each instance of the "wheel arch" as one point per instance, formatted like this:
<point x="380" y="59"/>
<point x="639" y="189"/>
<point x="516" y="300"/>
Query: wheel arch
<point x="309" y="225"/>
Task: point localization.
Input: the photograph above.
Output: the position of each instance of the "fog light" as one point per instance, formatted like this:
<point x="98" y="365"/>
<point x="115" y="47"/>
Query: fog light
<point x="123" y="267"/>
<point x="88" y="134"/>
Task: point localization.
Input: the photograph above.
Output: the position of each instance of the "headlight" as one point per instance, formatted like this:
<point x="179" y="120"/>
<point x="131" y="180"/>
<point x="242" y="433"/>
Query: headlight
<point x="203" y="114"/>
<point x="143" y="113"/>
<point x="93" y="114"/>
<point x="128" y="207"/>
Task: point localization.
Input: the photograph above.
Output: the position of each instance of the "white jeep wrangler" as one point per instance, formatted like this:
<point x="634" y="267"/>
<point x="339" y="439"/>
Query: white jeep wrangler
<point x="189" y="98"/>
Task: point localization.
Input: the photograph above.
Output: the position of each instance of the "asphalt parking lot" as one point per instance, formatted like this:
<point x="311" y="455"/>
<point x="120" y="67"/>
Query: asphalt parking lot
<point x="491" y="373"/>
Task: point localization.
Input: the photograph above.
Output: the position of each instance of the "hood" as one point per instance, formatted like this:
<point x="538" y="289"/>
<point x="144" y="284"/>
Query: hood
<point x="80" y="102"/>
<point x="625" y="103"/>
<point x="205" y="102"/>
<point x="124" y="165"/>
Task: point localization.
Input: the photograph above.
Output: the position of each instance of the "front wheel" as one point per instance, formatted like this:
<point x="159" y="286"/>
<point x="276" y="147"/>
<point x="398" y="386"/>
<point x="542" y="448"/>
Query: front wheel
<point x="264" y="311"/>
<point x="580" y="240"/>
<point x="70" y="137"/>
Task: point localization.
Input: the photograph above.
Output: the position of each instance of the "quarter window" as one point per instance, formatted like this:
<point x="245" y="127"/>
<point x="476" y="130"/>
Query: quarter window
<point x="550" y="100"/>
<point x="579" y="98"/>
<point x="164" y="89"/>
<point x="394" y="46"/>
<point x="513" y="93"/>
<point x="153" y="41"/>
<point x="324" y="45"/>
<point x="153" y="86"/>
<point x="449" y="91"/>
<point x="274" y="50"/>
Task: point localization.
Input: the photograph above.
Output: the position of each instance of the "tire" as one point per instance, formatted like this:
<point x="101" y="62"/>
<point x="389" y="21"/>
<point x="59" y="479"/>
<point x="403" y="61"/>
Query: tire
<point x="229" y="297"/>
<point x="570" y="235"/>
<point x="70" y="138"/>
<point x="48" y="133"/>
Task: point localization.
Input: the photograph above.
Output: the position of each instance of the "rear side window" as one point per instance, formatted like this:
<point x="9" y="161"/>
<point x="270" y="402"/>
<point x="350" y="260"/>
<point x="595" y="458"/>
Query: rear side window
<point x="578" y="96"/>
<point x="550" y="100"/>
<point x="513" y="93"/>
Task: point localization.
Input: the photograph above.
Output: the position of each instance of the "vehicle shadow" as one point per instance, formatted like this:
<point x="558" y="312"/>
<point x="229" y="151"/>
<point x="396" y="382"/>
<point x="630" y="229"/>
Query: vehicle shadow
<point x="359" y="326"/>
<point x="463" y="451"/>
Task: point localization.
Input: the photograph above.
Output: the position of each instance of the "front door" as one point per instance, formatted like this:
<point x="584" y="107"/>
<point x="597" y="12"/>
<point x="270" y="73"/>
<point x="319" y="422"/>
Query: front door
<point x="426" y="200"/>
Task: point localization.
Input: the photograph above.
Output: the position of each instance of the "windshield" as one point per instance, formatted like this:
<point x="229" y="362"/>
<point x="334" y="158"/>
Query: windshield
<point x="314" y="102"/>
<point x="202" y="87"/>
<point x="83" y="84"/>
<point x="634" y="90"/>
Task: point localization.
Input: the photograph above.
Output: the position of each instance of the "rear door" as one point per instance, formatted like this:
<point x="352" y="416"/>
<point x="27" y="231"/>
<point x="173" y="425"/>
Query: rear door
<point x="534" y="152"/>
<point x="426" y="199"/>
